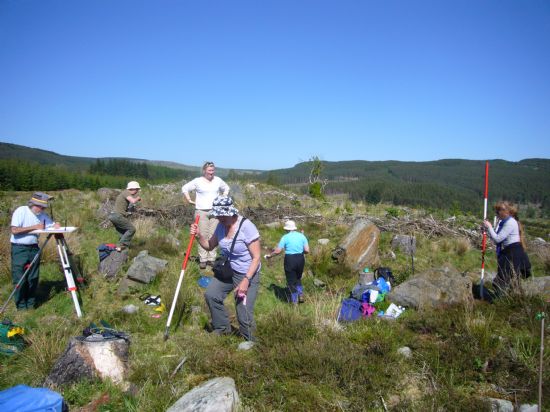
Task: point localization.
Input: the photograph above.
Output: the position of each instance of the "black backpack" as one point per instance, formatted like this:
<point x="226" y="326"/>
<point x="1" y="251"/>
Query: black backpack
<point x="385" y="273"/>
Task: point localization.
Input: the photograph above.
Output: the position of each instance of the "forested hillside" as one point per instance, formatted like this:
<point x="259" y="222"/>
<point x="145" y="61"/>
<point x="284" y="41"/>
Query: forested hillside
<point x="449" y="184"/>
<point x="23" y="168"/>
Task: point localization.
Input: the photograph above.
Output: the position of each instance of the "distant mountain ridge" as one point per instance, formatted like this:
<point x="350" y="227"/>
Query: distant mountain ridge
<point x="447" y="183"/>
<point x="46" y="157"/>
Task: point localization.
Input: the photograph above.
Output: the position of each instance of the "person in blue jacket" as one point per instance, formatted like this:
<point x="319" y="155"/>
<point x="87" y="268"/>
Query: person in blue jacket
<point x="295" y="246"/>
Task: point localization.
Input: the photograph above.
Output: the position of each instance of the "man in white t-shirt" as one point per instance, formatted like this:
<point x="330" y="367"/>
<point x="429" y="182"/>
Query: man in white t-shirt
<point x="24" y="247"/>
<point x="207" y="187"/>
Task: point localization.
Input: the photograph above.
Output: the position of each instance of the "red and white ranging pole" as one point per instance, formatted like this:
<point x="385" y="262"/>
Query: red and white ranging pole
<point x="180" y="280"/>
<point x="484" y="239"/>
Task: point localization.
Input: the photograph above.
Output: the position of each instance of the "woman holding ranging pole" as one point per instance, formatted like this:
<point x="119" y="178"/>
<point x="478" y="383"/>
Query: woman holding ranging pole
<point x="239" y="235"/>
<point x="511" y="257"/>
<point x="295" y="245"/>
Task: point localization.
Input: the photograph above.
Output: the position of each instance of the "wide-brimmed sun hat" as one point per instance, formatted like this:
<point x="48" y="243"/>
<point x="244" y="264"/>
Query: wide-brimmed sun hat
<point x="290" y="225"/>
<point x="40" y="199"/>
<point x="223" y="206"/>
<point x="133" y="185"/>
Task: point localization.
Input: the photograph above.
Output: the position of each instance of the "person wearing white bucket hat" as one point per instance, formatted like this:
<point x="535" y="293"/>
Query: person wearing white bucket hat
<point x="295" y="245"/>
<point x="206" y="188"/>
<point x="125" y="204"/>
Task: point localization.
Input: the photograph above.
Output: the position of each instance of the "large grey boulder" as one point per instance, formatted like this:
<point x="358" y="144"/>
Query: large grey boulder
<point x="360" y="247"/>
<point x="110" y="266"/>
<point x="89" y="358"/>
<point x="145" y="268"/>
<point x="501" y="405"/>
<point x="215" y="395"/>
<point x="404" y="243"/>
<point x="434" y="288"/>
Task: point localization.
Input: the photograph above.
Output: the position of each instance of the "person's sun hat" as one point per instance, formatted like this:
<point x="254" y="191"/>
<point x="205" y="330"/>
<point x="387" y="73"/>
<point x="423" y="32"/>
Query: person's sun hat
<point x="290" y="225"/>
<point x="40" y="199"/>
<point x="223" y="206"/>
<point x="133" y="185"/>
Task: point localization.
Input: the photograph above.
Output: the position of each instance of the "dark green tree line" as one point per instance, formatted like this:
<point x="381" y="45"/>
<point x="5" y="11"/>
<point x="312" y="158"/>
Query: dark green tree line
<point x="26" y="176"/>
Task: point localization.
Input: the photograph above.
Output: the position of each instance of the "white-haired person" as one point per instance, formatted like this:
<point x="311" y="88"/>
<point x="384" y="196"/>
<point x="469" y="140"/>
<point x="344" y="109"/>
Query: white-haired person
<point x="295" y="246"/>
<point x="206" y="187"/>
<point x="239" y="241"/>
<point x="125" y="204"/>
<point x="24" y="247"/>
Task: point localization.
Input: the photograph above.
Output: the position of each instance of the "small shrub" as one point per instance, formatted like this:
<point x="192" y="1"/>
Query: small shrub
<point x="144" y="226"/>
<point x="446" y="245"/>
<point x="315" y="190"/>
<point x="392" y="211"/>
<point x="320" y="259"/>
<point x="348" y="207"/>
<point x="462" y="245"/>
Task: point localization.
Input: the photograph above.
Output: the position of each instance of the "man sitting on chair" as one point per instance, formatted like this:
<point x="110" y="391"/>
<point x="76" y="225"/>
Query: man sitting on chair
<point x="24" y="246"/>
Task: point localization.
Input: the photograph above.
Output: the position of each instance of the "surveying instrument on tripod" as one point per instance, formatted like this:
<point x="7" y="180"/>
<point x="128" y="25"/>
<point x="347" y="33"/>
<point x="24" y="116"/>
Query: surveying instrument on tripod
<point x="28" y="222"/>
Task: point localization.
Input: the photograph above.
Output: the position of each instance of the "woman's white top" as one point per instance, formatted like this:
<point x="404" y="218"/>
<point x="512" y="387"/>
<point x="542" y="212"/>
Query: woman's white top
<point x="205" y="191"/>
<point x="506" y="234"/>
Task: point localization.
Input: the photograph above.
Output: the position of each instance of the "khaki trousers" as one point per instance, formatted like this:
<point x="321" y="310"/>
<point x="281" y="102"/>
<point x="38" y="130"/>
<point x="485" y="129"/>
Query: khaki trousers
<point x="207" y="226"/>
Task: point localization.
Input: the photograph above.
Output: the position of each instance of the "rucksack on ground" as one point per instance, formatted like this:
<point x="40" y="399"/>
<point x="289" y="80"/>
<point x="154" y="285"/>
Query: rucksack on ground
<point x="386" y="273"/>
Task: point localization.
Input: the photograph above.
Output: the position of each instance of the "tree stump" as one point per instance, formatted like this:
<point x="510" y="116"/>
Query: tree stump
<point x="90" y="358"/>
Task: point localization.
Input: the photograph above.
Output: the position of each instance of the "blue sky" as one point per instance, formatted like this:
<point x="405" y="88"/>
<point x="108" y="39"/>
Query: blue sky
<point x="267" y="84"/>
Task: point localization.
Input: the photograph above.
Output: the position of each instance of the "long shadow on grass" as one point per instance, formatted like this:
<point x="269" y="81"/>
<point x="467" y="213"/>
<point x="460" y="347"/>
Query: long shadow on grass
<point x="283" y="294"/>
<point x="47" y="289"/>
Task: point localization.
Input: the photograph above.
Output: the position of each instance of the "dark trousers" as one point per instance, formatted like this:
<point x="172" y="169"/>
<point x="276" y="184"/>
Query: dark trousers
<point x="216" y="293"/>
<point x="513" y="263"/>
<point x="294" y="268"/>
<point x="21" y="256"/>
<point x="124" y="227"/>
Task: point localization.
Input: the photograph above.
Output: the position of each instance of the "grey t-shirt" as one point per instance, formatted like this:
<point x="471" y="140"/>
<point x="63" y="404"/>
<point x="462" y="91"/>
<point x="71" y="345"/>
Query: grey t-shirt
<point x="240" y="258"/>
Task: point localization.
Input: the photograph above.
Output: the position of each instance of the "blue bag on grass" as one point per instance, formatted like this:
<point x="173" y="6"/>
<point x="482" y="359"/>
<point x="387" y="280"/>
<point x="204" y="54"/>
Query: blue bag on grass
<point x="383" y="285"/>
<point x="350" y="310"/>
<point x="23" y="398"/>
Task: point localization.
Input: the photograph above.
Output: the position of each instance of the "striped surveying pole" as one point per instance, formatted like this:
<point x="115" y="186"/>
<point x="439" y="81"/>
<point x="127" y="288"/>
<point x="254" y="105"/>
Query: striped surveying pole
<point x="541" y="316"/>
<point x="484" y="239"/>
<point x="180" y="280"/>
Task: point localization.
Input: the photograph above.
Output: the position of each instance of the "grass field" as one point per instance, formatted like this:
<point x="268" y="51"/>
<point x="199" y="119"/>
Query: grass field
<point x="304" y="360"/>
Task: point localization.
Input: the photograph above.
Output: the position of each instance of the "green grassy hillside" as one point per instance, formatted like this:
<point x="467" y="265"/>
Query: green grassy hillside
<point x="304" y="360"/>
<point x="447" y="184"/>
